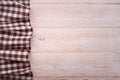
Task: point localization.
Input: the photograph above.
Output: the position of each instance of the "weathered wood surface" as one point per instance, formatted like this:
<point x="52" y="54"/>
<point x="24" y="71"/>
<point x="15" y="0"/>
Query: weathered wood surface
<point x="75" y="39"/>
<point x="74" y="1"/>
<point x="76" y="64"/>
<point x="87" y="78"/>
<point x="75" y="15"/>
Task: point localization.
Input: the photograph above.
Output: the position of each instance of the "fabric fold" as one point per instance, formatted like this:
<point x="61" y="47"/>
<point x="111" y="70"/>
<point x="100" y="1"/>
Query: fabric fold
<point x="12" y="10"/>
<point x="15" y="40"/>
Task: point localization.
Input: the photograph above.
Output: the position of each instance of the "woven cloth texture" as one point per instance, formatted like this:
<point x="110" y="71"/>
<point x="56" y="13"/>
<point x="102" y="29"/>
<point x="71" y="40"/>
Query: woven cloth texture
<point x="15" y="40"/>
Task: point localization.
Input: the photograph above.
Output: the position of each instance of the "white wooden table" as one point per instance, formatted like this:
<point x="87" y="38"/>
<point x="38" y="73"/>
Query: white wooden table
<point x="75" y="39"/>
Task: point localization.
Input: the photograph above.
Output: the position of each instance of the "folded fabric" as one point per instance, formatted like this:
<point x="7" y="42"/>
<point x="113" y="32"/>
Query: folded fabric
<point x="15" y="40"/>
<point x="15" y="70"/>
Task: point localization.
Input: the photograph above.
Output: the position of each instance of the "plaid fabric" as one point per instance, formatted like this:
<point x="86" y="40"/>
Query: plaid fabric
<point x="15" y="37"/>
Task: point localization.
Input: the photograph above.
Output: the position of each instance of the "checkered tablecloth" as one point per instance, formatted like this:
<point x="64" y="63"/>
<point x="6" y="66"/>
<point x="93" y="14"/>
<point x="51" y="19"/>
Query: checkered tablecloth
<point x="15" y="39"/>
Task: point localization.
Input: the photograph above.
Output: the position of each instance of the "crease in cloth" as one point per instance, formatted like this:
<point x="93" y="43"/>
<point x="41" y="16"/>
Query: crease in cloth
<point x="15" y="40"/>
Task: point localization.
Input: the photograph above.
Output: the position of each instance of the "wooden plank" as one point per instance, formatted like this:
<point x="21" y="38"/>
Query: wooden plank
<point x="96" y="64"/>
<point x="75" y="1"/>
<point x="82" y="78"/>
<point x="70" y="15"/>
<point x="75" y="39"/>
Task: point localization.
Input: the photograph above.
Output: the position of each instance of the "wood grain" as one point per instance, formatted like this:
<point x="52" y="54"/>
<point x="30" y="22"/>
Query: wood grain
<point x="74" y="1"/>
<point x="76" y="64"/>
<point x="70" y="15"/>
<point x="83" y="78"/>
<point x="75" y="39"/>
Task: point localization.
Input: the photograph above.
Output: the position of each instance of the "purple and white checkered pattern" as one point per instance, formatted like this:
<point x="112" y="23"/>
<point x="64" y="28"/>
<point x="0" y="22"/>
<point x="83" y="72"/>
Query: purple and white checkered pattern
<point x="15" y="38"/>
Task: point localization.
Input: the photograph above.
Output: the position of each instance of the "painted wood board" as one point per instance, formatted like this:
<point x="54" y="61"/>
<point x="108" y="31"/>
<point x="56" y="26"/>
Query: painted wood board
<point x="75" y="1"/>
<point x="102" y="64"/>
<point x="75" y="15"/>
<point x="82" y="78"/>
<point x="76" y="39"/>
